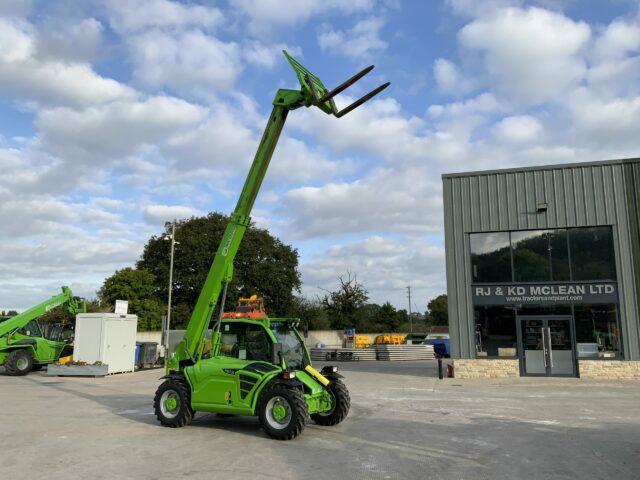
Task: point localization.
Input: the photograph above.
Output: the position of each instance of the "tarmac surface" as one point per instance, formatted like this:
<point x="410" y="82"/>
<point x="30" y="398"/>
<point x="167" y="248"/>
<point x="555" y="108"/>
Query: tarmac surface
<point x="404" y="424"/>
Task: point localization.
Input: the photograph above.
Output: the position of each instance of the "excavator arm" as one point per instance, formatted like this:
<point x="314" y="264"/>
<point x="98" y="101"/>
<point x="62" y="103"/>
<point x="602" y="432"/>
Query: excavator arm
<point x="311" y="93"/>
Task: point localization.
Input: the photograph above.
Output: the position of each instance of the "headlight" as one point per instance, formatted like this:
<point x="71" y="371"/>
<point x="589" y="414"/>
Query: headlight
<point x="288" y="375"/>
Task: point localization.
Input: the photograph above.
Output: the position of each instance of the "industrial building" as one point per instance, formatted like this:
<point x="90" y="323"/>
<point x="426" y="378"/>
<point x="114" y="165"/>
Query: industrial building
<point x="543" y="270"/>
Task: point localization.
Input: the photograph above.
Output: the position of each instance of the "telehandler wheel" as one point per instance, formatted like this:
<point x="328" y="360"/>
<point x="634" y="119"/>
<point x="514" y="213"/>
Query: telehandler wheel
<point x="172" y="403"/>
<point x="283" y="412"/>
<point x="19" y="362"/>
<point x="341" y="405"/>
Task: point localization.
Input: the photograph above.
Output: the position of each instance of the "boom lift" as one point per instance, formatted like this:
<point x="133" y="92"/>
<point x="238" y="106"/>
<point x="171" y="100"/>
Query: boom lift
<point x="24" y="346"/>
<point x="256" y="366"/>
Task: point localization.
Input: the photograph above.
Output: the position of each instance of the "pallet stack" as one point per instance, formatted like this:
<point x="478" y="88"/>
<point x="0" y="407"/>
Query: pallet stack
<point x="342" y="354"/>
<point x="404" y="352"/>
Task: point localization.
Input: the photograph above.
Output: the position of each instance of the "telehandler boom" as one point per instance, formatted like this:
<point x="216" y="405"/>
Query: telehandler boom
<point x="23" y="347"/>
<point x="255" y="366"/>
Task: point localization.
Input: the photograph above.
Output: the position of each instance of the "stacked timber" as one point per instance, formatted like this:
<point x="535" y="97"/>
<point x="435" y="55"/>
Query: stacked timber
<point x="404" y="352"/>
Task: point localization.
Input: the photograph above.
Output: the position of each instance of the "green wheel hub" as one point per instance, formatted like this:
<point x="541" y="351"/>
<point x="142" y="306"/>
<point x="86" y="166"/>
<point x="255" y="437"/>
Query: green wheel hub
<point x="22" y="363"/>
<point x="279" y="412"/>
<point x="172" y="404"/>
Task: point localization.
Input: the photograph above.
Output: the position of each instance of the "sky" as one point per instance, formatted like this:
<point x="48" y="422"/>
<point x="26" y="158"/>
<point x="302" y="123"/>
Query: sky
<point x="117" y="116"/>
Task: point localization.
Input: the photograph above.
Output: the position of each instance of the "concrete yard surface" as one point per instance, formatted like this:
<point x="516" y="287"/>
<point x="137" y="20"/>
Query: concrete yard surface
<point x="404" y="424"/>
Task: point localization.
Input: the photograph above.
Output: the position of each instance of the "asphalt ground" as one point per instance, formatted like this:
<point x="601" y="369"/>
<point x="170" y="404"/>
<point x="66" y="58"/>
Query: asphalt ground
<point x="404" y="424"/>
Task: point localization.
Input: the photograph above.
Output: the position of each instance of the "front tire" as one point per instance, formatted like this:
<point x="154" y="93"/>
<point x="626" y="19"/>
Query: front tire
<point x="19" y="363"/>
<point x="172" y="403"/>
<point x="283" y="412"/>
<point x="341" y="405"/>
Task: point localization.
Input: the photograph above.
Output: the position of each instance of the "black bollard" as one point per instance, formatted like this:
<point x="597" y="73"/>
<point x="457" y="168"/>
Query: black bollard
<point x="440" y="374"/>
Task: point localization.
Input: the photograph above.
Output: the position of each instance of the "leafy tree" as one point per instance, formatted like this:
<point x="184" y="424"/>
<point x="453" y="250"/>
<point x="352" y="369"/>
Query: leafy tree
<point x="438" y="312"/>
<point x="311" y="312"/>
<point x="138" y="287"/>
<point x="345" y="306"/>
<point x="264" y="266"/>
<point x="388" y="318"/>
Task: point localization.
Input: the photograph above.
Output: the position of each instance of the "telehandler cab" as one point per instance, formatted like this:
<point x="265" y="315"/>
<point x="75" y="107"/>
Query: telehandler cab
<point x="25" y="345"/>
<point x="255" y="366"/>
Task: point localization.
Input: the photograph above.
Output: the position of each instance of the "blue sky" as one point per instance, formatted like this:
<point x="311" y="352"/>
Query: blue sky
<point x="117" y="116"/>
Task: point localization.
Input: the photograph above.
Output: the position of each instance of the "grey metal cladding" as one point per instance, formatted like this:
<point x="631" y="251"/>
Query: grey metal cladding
<point x="576" y="195"/>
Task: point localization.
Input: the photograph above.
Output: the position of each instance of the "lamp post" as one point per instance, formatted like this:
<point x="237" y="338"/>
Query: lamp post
<point x="171" y="237"/>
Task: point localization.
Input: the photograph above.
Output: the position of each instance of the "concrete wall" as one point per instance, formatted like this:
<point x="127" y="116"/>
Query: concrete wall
<point x="496" y="368"/>
<point x="330" y="338"/>
<point x="611" y="369"/>
<point x="578" y="195"/>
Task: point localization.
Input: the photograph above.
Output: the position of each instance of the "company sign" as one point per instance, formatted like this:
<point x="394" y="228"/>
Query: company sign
<point x="549" y="293"/>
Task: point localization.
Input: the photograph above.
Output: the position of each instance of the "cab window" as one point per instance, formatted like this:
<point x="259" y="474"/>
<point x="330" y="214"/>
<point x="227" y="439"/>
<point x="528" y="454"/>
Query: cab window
<point x="245" y="342"/>
<point x="31" y="329"/>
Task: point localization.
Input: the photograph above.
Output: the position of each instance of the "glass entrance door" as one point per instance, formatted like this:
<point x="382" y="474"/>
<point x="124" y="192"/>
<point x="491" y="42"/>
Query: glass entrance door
<point x="547" y="346"/>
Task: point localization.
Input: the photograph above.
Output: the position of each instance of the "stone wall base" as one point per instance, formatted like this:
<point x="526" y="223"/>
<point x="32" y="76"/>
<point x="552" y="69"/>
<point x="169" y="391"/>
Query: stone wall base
<point x="481" y="368"/>
<point x="613" y="369"/>
<point x="503" y="368"/>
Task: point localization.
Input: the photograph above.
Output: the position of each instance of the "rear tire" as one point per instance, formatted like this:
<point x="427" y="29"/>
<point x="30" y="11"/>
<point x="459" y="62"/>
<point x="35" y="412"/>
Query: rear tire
<point x="172" y="403"/>
<point x="342" y="403"/>
<point x="19" y="362"/>
<point x="283" y="412"/>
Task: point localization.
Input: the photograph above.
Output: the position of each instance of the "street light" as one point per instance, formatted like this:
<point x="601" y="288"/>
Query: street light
<point x="171" y="237"/>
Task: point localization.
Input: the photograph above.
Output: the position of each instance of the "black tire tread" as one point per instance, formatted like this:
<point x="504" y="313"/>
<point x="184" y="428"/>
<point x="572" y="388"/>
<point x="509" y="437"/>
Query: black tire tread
<point x="11" y="363"/>
<point x="186" y="412"/>
<point x="299" y="420"/>
<point x="343" y="404"/>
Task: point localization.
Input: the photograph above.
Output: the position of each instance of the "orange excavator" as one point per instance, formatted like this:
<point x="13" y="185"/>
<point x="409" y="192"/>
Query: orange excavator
<point x="252" y="307"/>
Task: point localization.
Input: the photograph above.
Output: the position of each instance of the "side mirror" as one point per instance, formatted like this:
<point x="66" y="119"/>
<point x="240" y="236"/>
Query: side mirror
<point x="277" y="354"/>
<point x="305" y="330"/>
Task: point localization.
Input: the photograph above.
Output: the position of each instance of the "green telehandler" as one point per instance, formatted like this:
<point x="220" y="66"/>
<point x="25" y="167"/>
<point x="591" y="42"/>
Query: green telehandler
<point x="25" y="345"/>
<point x="254" y="366"/>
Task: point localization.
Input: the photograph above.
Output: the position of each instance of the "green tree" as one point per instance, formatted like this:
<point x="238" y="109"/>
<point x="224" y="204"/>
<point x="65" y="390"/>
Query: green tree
<point x="310" y="312"/>
<point x="346" y="305"/>
<point x="387" y="318"/>
<point x="138" y="287"/>
<point x="263" y="266"/>
<point x="438" y="312"/>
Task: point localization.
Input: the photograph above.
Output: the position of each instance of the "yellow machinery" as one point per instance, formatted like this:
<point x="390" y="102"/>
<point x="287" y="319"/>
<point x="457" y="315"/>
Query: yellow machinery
<point x="389" y="339"/>
<point x="362" y="341"/>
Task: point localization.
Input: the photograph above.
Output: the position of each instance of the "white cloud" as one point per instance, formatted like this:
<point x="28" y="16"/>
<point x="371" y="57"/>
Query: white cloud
<point x="69" y="41"/>
<point x="190" y="62"/>
<point x="474" y="8"/>
<point x="49" y="82"/>
<point x="618" y="39"/>
<point x="450" y="79"/>
<point x="518" y="129"/>
<point x="358" y="42"/>
<point x="115" y="130"/>
<point x="265" y="16"/>
<point x="134" y="15"/>
<point x="384" y="266"/>
<point x="531" y="55"/>
<point x="385" y="200"/>
<point x="159" y="214"/>
<point x="609" y="125"/>
<point x="267" y="55"/>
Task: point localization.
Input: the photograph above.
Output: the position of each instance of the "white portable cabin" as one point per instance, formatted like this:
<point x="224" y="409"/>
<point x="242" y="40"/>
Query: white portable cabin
<point x="109" y="338"/>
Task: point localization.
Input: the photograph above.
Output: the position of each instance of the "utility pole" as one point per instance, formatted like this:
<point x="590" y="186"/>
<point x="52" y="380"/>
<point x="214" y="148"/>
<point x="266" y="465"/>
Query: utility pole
<point x="410" y="317"/>
<point x="171" y="237"/>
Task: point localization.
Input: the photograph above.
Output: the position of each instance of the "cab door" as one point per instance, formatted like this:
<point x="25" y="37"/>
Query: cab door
<point x="220" y="383"/>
